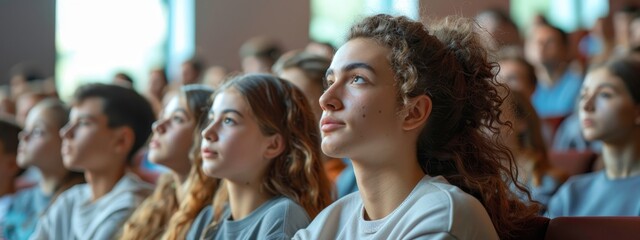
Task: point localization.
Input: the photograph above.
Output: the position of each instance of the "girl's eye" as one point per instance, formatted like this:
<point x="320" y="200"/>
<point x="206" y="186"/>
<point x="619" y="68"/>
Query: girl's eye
<point x="605" y="95"/>
<point x="177" y="119"/>
<point x="329" y="82"/>
<point x="357" y="79"/>
<point x="228" y="121"/>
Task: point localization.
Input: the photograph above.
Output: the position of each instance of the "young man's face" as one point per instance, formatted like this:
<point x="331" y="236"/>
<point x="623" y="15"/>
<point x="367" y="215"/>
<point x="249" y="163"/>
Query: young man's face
<point x="87" y="141"/>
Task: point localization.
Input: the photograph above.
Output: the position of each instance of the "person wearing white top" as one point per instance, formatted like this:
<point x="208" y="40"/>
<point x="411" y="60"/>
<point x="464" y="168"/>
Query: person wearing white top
<point x="411" y="106"/>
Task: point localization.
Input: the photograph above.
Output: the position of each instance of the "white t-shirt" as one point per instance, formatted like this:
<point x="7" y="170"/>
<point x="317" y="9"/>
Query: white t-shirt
<point x="74" y="216"/>
<point x="434" y="209"/>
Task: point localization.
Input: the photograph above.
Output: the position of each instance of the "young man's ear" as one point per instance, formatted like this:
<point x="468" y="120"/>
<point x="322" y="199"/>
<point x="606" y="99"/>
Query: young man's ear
<point x="275" y="146"/>
<point x="124" y="139"/>
<point x="417" y="112"/>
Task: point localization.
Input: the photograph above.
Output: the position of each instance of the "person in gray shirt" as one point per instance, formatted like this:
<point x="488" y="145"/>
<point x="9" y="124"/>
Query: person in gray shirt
<point x="262" y="141"/>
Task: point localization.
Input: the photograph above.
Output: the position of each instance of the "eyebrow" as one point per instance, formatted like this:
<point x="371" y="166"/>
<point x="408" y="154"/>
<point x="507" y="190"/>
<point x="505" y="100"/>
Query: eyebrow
<point x="352" y="66"/>
<point x="604" y="85"/>
<point x="229" y="111"/>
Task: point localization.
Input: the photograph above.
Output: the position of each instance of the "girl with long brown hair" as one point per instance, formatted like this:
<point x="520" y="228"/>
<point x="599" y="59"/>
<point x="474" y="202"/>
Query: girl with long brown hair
<point x="262" y="141"/>
<point x="173" y="145"/>
<point x="410" y="105"/>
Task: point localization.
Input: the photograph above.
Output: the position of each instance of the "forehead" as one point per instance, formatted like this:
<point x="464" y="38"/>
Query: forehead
<point x="89" y="106"/>
<point x="230" y="99"/>
<point x="601" y="76"/>
<point x="363" y="50"/>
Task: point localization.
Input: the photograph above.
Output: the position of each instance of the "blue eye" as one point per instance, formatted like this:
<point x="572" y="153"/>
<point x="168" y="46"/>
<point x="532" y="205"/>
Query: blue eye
<point x="228" y="121"/>
<point x="357" y="79"/>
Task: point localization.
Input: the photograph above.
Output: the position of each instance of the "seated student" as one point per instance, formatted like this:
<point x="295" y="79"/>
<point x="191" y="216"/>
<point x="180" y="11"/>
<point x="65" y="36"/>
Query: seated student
<point x="525" y="141"/>
<point x="171" y="145"/>
<point x="107" y="126"/>
<point x="610" y="112"/>
<point x="306" y="71"/>
<point x="39" y="147"/>
<point x="408" y="105"/>
<point x="263" y="142"/>
<point x="9" y="170"/>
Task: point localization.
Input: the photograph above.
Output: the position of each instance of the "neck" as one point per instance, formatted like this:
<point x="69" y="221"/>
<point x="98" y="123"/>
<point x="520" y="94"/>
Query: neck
<point x="622" y="159"/>
<point x="245" y="197"/>
<point x="550" y="73"/>
<point x="181" y="186"/>
<point x="384" y="187"/>
<point x="51" y="179"/>
<point x="102" y="182"/>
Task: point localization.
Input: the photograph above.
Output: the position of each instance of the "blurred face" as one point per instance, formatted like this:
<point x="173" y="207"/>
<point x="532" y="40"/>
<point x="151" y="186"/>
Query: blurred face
<point x="607" y="110"/>
<point x="311" y="90"/>
<point x="40" y="141"/>
<point x="360" y="111"/>
<point x="189" y="74"/>
<point x="87" y="141"/>
<point x="233" y="145"/>
<point x="515" y="76"/>
<point x="634" y="32"/>
<point x="173" y="136"/>
<point x="156" y="82"/>
<point x="546" y="46"/>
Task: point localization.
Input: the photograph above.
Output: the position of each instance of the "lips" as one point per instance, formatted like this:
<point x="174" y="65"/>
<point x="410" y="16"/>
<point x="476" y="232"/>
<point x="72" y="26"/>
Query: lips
<point x="329" y="124"/>
<point x="154" y="144"/>
<point x="208" y="153"/>
<point x="586" y="123"/>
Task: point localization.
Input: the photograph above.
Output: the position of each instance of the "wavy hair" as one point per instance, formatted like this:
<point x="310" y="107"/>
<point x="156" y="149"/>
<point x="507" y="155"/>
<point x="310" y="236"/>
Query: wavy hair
<point x="297" y="173"/>
<point x="447" y="62"/>
<point x="157" y="213"/>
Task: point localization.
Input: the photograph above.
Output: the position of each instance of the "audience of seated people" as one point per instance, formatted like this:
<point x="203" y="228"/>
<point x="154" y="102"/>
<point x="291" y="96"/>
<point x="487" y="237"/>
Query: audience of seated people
<point x="408" y="130"/>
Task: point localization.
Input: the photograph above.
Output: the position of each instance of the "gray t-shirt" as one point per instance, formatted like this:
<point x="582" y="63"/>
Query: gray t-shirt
<point x="593" y="194"/>
<point x="434" y="209"/>
<point x="278" y="218"/>
<point x="74" y="216"/>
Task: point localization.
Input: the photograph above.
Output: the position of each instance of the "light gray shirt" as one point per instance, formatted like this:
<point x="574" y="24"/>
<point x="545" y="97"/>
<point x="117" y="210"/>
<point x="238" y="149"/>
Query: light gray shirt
<point x="278" y="218"/>
<point x="74" y="216"/>
<point x="594" y="194"/>
<point x="434" y="209"/>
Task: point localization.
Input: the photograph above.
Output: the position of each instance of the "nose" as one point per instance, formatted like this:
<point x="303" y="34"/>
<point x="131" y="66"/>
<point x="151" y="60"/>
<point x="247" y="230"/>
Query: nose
<point x="209" y="133"/>
<point x="588" y="103"/>
<point x="329" y="100"/>
<point x="67" y="131"/>
<point x="159" y="126"/>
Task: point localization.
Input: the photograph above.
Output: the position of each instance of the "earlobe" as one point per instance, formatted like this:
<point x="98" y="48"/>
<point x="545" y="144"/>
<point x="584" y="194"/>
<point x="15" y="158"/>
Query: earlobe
<point x="275" y="147"/>
<point x="417" y="112"/>
<point x="124" y="140"/>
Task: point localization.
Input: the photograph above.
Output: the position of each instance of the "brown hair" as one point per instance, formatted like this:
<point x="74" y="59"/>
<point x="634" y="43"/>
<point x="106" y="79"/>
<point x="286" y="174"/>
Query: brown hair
<point x="530" y="141"/>
<point x="313" y="66"/>
<point x="448" y="63"/>
<point x="297" y="173"/>
<point x="162" y="212"/>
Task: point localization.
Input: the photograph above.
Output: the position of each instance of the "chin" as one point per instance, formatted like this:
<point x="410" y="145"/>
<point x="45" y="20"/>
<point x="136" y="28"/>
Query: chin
<point x="208" y="168"/>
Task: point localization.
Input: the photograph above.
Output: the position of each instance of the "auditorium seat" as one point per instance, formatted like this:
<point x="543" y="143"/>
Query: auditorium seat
<point x="568" y="228"/>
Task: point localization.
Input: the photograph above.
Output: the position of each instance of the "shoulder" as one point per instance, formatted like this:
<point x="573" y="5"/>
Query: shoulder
<point x="582" y="181"/>
<point x="200" y="223"/>
<point x="285" y="207"/>
<point x="443" y="207"/>
<point x="333" y="219"/>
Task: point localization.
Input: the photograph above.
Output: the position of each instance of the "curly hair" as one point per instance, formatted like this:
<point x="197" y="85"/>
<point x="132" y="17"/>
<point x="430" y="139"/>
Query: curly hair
<point x="297" y="173"/>
<point x="163" y="210"/>
<point x="447" y="62"/>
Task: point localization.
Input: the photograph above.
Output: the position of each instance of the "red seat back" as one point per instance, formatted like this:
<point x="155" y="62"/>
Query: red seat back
<point x="568" y="228"/>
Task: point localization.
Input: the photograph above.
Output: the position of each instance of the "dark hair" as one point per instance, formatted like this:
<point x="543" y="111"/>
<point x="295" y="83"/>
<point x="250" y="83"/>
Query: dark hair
<point x="125" y="77"/>
<point x="448" y="63"/>
<point x="313" y="66"/>
<point x="9" y="131"/>
<point x="195" y="63"/>
<point x="123" y="107"/>
<point x="261" y="47"/>
<point x="628" y="70"/>
<point x="564" y="37"/>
